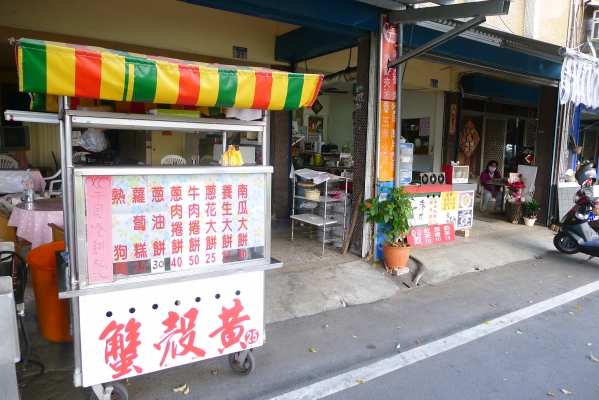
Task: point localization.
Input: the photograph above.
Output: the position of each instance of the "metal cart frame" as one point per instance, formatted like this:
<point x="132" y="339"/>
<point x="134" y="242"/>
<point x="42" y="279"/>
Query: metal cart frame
<point x="73" y="279"/>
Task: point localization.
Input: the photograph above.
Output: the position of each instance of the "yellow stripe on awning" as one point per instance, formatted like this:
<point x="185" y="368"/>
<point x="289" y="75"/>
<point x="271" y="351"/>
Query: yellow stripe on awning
<point x="130" y="81"/>
<point x="280" y="83"/>
<point x="308" y="89"/>
<point x="60" y="61"/>
<point x="167" y="82"/>
<point x="209" y="84"/>
<point x="246" y="87"/>
<point x="113" y="76"/>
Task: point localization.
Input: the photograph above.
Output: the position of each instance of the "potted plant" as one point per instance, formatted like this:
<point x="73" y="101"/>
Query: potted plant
<point x="393" y="215"/>
<point x="531" y="208"/>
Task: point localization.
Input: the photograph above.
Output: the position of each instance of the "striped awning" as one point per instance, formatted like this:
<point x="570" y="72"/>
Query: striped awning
<point x="62" y="69"/>
<point x="580" y="79"/>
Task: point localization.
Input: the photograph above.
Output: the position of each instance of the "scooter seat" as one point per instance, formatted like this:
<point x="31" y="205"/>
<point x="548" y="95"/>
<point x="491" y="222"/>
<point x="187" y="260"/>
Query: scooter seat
<point x="593" y="244"/>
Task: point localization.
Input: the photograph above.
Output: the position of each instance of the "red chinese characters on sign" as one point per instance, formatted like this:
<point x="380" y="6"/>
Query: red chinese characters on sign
<point x="157" y="194"/>
<point x="159" y="248"/>
<point x="139" y="222"/>
<point x="431" y="235"/>
<point x="139" y="195"/>
<point x="120" y="252"/>
<point x="179" y="335"/>
<point x="176" y="193"/>
<point x="118" y="196"/>
<point x="121" y="349"/>
<point x="232" y="330"/>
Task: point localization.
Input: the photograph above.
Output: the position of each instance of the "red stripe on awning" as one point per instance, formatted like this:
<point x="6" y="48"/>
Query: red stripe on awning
<point x="189" y="85"/>
<point x="263" y="90"/>
<point x="88" y="74"/>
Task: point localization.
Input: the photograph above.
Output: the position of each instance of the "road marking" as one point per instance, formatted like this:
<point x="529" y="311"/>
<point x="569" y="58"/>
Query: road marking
<point x="380" y="368"/>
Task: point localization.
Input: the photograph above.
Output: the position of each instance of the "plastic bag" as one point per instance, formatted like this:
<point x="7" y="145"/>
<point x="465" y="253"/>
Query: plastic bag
<point x="93" y="140"/>
<point x="231" y="157"/>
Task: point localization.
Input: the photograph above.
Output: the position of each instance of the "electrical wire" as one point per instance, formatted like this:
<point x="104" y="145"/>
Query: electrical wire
<point x="508" y="28"/>
<point x="349" y="61"/>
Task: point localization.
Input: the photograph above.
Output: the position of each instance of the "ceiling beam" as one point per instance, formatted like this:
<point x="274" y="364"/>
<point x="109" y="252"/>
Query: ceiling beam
<point x="440" y="2"/>
<point x="465" y="10"/>
<point x="401" y="4"/>
<point x="437" y="41"/>
<point x="385" y="4"/>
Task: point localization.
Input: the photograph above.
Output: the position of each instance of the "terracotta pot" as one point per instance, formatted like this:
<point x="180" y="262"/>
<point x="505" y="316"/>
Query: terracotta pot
<point x="396" y="257"/>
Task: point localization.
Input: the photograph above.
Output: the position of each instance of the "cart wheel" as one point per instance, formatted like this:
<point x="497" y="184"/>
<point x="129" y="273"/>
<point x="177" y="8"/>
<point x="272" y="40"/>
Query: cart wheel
<point x="119" y="392"/>
<point x="246" y="368"/>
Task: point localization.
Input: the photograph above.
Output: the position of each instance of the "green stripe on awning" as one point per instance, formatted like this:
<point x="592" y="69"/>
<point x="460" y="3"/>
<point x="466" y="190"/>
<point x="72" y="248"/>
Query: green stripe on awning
<point x="227" y="88"/>
<point x="294" y="91"/>
<point x="34" y="67"/>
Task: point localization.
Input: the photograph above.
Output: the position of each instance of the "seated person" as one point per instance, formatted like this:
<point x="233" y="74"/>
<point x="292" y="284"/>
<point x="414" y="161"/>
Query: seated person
<point x="491" y="190"/>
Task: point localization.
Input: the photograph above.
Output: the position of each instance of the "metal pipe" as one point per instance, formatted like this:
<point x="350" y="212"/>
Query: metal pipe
<point x="398" y="79"/>
<point x="347" y="75"/>
<point x="437" y="41"/>
<point x="556" y="158"/>
<point x="371" y="106"/>
<point x="66" y="164"/>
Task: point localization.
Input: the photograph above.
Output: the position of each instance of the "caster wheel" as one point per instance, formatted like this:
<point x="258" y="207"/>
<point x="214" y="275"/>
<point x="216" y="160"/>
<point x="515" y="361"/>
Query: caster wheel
<point x="119" y="392"/>
<point x="246" y="368"/>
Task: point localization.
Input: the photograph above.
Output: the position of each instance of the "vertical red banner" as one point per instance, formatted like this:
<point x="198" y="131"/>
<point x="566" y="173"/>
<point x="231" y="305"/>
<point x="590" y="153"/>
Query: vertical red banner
<point x="98" y="204"/>
<point x="387" y="102"/>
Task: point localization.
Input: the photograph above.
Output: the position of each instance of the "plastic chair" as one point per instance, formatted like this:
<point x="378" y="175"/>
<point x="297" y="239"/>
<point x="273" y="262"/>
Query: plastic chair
<point x="7" y="162"/>
<point x="206" y="160"/>
<point x="173" y="159"/>
<point x="79" y="156"/>
<point x="55" y="185"/>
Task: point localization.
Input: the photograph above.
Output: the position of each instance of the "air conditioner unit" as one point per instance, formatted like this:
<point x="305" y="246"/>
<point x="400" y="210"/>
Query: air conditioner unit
<point x="595" y="26"/>
<point x="432" y="178"/>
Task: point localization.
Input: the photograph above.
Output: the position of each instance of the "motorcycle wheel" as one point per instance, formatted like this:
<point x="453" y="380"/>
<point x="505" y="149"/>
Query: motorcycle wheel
<point x="564" y="244"/>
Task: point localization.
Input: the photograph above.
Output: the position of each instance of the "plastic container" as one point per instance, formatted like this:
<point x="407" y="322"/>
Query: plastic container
<point x="52" y="313"/>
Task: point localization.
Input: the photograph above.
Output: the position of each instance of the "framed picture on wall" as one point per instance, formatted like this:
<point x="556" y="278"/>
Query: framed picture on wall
<point x="317" y="125"/>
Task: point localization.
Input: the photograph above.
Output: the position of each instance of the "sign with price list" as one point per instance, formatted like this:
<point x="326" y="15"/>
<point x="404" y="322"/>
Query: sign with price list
<point x="434" y="234"/>
<point x="159" y="223"/>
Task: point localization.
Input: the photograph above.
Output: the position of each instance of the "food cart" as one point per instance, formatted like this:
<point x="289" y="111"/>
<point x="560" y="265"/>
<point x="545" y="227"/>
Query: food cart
<point x="166" y="264"/>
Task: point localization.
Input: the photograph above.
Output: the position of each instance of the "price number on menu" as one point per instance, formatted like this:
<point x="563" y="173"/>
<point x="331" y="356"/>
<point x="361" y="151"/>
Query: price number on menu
<point x="158" y="264"/>
<point x="141" y="267"/>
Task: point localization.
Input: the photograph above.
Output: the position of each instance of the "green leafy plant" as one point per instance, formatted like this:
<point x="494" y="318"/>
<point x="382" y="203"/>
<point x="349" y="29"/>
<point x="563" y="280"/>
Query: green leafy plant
<point x="531" y="208"/>
<point x="393" y="215"/>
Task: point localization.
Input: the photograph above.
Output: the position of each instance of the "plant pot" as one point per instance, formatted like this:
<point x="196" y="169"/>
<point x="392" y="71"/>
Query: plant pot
<point x="396" y="257"/>
<point x="514" y="211"/>
<point x="529" y="221"/>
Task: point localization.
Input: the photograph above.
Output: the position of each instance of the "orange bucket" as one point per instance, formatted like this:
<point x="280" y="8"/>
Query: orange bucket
<point x="52" y="313"/>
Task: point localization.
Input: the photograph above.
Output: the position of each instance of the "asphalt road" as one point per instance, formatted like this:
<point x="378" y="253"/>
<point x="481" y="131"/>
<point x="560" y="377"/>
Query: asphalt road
<point x="551" y="352"/>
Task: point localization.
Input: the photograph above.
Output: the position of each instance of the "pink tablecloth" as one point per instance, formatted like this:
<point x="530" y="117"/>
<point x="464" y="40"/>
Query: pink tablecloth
<point x="32" y="225"/>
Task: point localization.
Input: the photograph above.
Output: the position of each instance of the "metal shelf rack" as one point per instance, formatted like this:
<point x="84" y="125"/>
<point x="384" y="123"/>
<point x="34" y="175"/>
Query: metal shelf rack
<point x="322" y="222"/>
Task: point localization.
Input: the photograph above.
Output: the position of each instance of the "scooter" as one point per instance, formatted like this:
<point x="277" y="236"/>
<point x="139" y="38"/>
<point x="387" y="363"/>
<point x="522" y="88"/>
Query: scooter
<point x="575" y="234"/>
